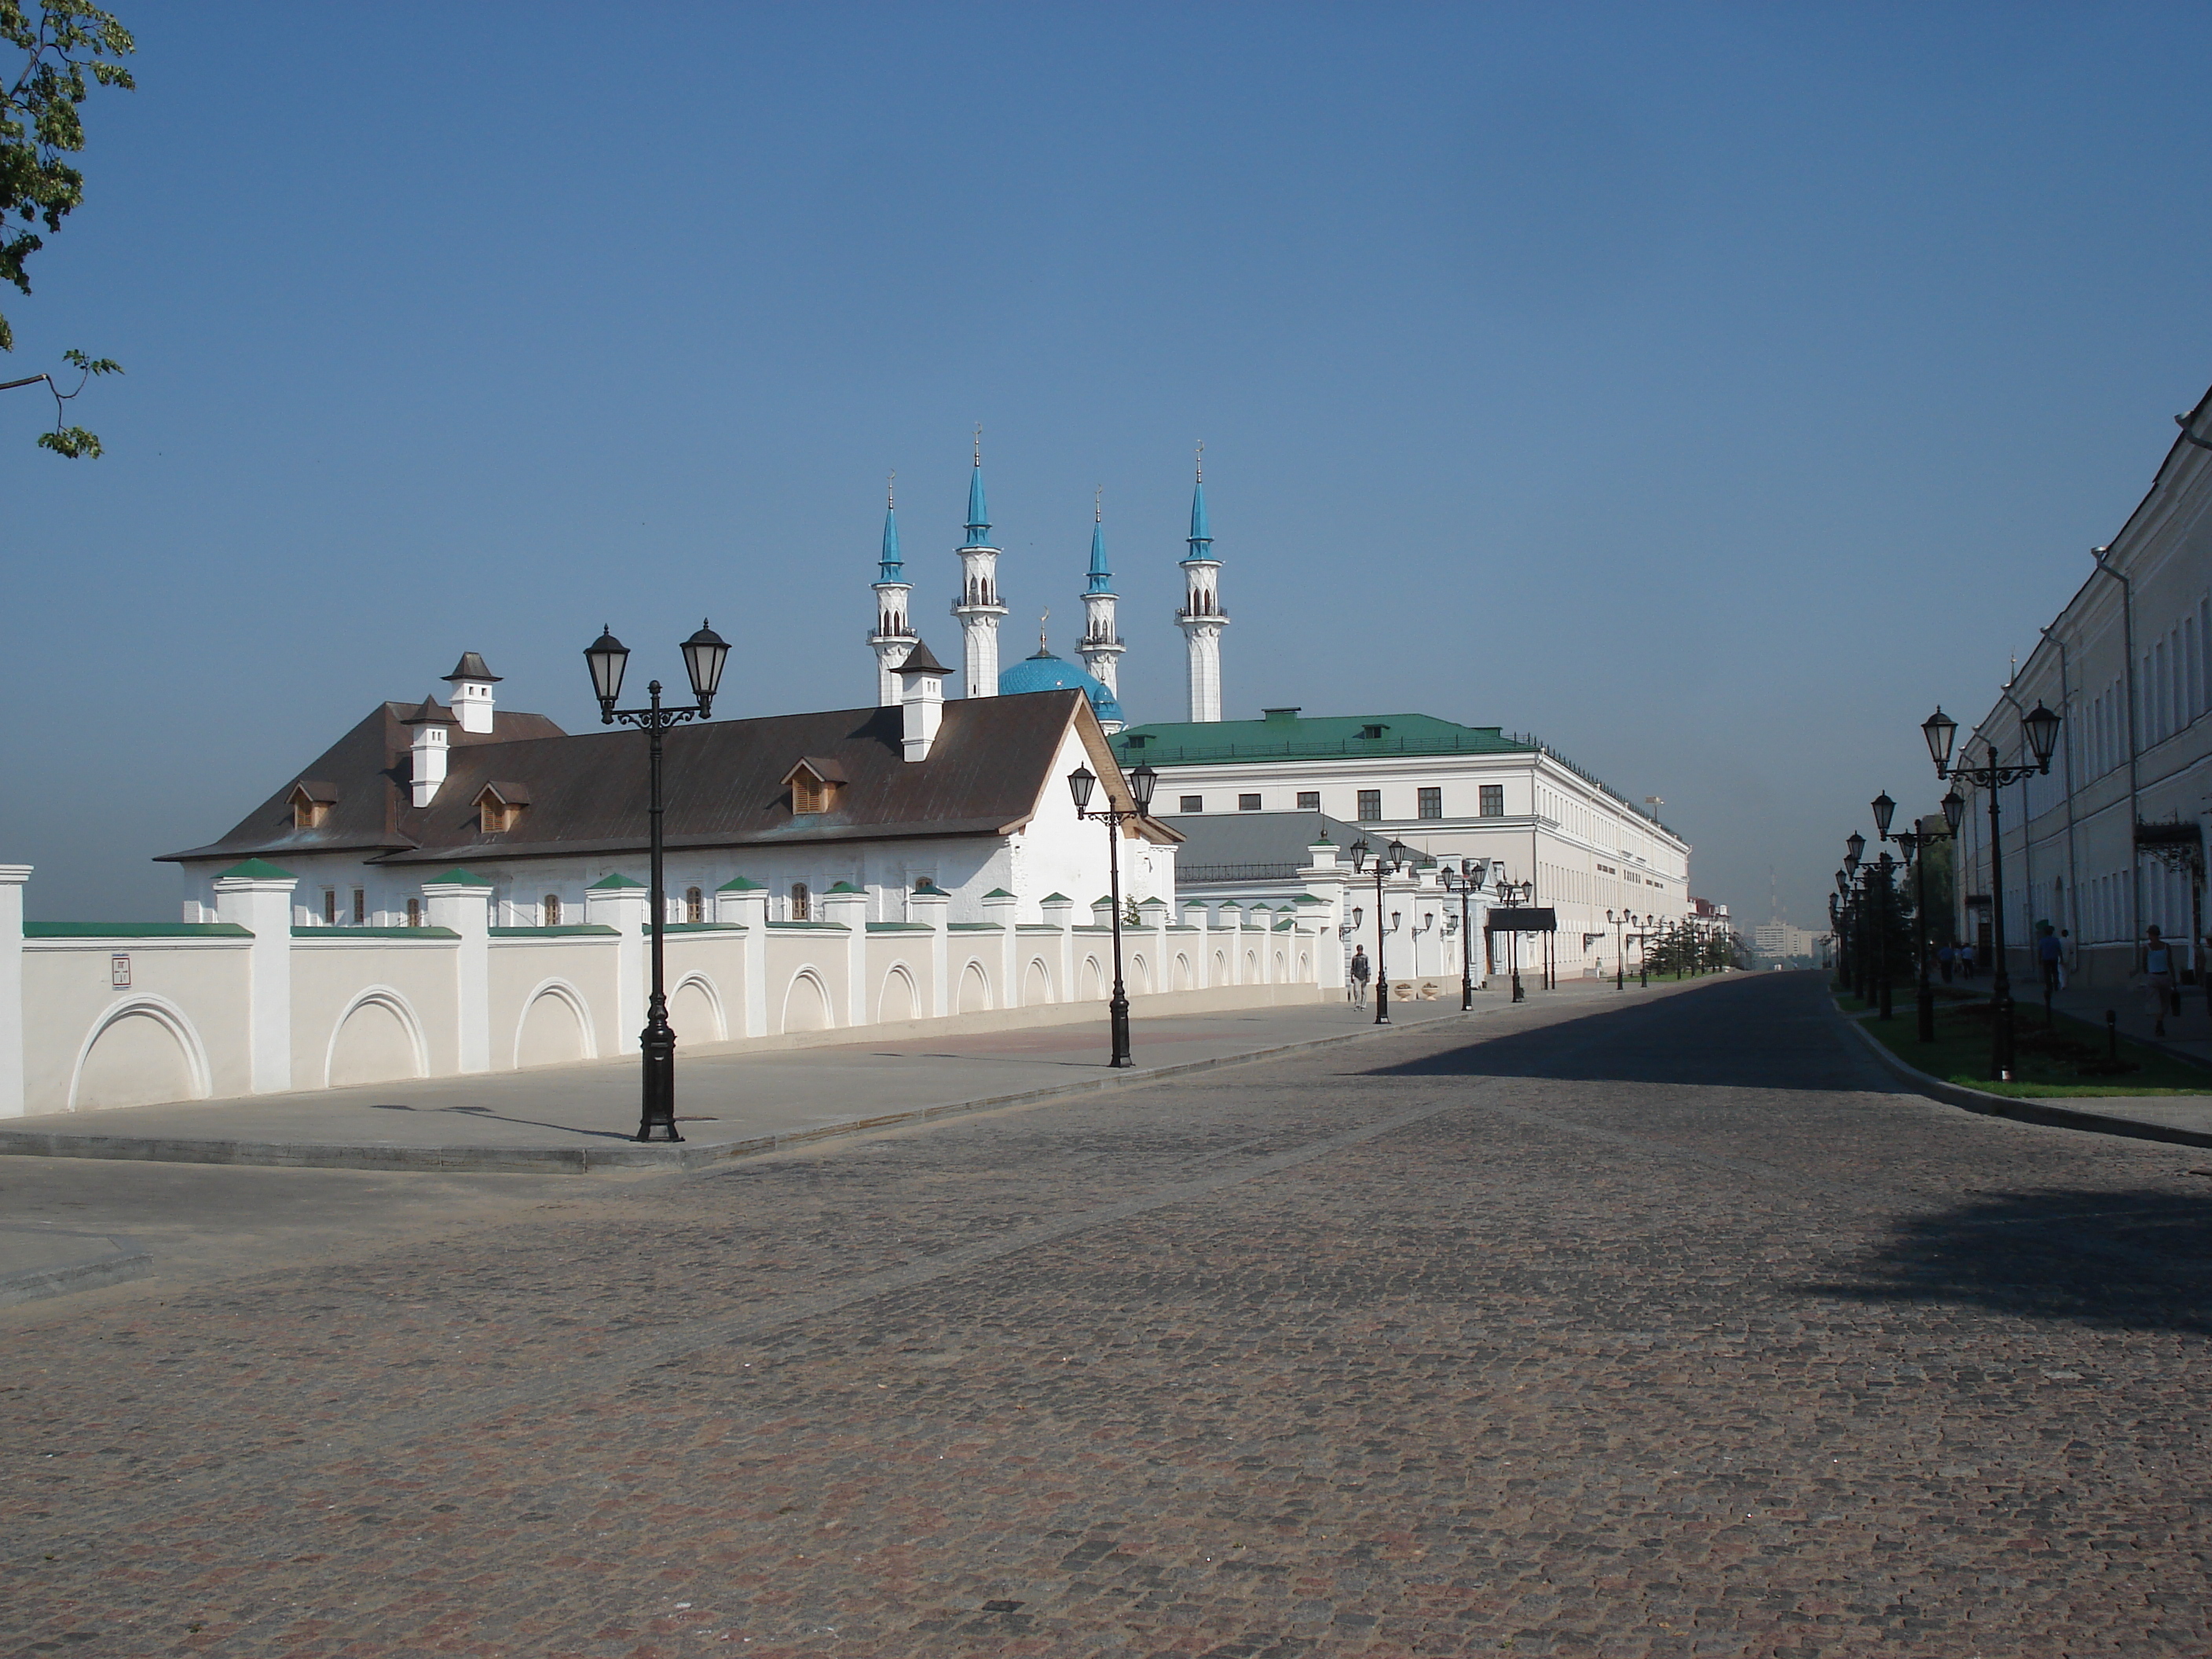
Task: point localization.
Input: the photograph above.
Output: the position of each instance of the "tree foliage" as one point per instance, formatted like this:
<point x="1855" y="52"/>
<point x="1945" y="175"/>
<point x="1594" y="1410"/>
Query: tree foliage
<point x="68" y="47"/>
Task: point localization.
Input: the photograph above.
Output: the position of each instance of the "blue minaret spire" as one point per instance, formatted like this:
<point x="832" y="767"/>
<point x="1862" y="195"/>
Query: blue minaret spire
<point x="979" y="515"/>
<point x="893" y="568"/>
<point x="1200" y="537"/>
<point x="1102" y="579"/>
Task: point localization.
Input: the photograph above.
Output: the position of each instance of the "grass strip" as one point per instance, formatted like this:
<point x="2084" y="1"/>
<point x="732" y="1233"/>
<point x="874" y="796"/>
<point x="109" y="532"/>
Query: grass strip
<point x="1960" y="1054"/>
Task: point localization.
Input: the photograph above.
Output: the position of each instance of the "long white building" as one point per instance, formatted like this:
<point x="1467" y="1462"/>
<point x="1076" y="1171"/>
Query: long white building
<point x="2113" y="841"/>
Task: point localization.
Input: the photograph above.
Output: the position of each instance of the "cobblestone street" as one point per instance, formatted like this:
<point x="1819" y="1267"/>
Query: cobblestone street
<point x="1656" y="1330"/>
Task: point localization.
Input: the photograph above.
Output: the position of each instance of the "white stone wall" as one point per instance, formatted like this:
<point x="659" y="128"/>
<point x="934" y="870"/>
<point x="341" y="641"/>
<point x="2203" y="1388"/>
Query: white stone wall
<point x="238" y="1010"/>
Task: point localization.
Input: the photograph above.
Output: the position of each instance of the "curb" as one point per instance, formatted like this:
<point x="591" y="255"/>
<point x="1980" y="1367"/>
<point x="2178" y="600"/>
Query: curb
<point x="2049" y="1114"/>
<point x="126" y="1259"/>
<point x="584" y="1160"/>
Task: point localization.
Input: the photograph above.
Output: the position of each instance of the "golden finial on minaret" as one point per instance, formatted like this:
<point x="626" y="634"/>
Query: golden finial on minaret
<point x="1201" y="461"/>
<point x="1098" y="504"/>
<point x="979" y="443"/>
<point x="890" y="497"/>
<point x="1043" y="618"/>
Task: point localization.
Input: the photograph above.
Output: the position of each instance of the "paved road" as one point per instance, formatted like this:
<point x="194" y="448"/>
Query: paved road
<point x="1655" y="1331"/>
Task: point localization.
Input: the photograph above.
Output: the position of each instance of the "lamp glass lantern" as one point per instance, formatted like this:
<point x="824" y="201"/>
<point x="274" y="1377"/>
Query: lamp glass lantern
<point x="1080" y="782"/>
<point x="1940" y="730"/>
<point x="1142" y="782"/>
<point x="1884" y="809"/>
<point x="2042" y="728"/>
<point x="704" y="655"/>
<point x="607" y="657"/>
<point x="1854" y="849"/>
<point x="1955" y="808"/>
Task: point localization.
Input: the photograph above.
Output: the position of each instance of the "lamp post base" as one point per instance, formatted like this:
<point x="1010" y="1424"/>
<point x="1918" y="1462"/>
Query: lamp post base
<point x="656" y="1047"/>
<point x="1925" y="1007"/>
<point x="1117" y="1014"/>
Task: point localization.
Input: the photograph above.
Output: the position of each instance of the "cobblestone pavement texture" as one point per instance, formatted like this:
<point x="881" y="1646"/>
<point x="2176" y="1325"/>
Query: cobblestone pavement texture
<point x="1661" y="1331"/>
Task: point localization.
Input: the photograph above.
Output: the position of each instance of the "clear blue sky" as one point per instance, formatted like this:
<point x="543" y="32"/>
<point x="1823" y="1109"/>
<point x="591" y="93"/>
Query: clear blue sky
<point x="1709" y="390"/>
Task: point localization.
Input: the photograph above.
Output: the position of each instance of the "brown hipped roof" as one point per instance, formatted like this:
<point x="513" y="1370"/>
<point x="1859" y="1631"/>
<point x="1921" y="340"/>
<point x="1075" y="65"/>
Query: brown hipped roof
<point x="987" y="768"/>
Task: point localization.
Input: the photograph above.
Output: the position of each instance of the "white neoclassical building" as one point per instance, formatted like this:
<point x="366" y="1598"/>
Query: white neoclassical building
<point x="2111" y="841"/>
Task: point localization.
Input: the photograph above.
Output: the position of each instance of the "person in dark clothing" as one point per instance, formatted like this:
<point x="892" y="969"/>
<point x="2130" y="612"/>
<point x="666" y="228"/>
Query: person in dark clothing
<point x="1356" y="987"/>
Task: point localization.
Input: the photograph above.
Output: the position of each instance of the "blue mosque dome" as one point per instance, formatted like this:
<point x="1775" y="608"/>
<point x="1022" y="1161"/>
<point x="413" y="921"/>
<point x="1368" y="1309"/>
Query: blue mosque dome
<point x="1046" y="672"/>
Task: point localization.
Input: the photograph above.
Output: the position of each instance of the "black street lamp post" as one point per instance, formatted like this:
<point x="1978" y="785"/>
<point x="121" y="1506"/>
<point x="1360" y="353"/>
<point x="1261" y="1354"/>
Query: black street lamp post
<point x="1142" y="781"/>
<point x="1914" y="844"/>
<point x="2040" y="730"/>
<point x="1388" y="862"/>
<point x="704" y="655"/>
<point x="1467" y="882"/>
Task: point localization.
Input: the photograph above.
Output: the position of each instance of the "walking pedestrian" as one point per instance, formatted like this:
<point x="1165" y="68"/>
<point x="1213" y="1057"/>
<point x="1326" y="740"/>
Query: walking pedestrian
<point x="2048" y="952"/>
<point x="1946" y="956"/>
<point x="1966" y="958"/>
<point x="2158" y="978"/>
<point x="1355" y="989"/>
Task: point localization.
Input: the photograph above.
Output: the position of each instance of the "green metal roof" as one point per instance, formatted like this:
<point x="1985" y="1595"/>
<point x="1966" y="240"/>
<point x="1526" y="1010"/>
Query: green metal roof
<point x="256" y="870"/>
<point x="456" y="877"/>
<point x="613" y="884"/>
<point x="1289" y="735"/>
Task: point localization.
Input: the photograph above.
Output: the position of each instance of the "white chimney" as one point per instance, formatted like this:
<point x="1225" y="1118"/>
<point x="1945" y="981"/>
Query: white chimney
<point x="921" y="699"/>
<point x="472" y="683"/>
<point x="430" y="725"/>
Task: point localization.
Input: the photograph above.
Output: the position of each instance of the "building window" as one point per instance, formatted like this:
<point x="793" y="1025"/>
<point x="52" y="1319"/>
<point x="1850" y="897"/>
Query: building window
<point x="694" y="905"/>
<point x="1193" y="804"/>
<point x="1248" y="803"/>
<point x="414" y="913"/>
<point x="330" y="907"/>
<point x="1370" y="806"/>
<point x="1308" y="800"/>
<point x="802" y="903"/>
<point x="1432" y="804"/>
<point x="1492" y="802"/>
<point x="550" y="908"/>
<point x="360" y="907"/>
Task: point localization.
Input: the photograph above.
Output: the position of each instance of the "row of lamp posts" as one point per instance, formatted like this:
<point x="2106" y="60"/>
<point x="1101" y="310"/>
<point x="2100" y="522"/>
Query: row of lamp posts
<point x="1864" y="891"/>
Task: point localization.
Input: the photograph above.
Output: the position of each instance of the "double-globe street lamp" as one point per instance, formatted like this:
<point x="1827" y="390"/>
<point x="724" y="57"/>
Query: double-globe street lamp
<point x="704" y="655"/>
<point x="1622" y="923"/>
<point x="1388" y="862"/>
<point x="1142" y="781"/>
<point x="2040" y="732"/>
<point x="1467" y="881"/>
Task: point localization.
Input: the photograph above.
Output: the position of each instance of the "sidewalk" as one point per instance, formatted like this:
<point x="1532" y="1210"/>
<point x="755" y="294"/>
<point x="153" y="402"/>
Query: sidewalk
<point x="2188" y="1034"/>
<point x="576" y="1118"/>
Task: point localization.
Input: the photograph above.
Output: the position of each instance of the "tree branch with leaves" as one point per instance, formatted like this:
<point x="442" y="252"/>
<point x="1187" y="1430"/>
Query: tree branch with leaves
<point x="68" y="48"/>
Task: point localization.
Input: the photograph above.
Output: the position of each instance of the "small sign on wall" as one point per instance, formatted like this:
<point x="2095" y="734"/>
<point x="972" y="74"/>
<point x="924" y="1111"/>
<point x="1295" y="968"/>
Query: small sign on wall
<point x="118" y="972"/>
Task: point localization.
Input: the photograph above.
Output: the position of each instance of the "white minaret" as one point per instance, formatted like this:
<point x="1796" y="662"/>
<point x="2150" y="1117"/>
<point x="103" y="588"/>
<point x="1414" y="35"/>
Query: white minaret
<point x="472" y="683"/>
<point x="1201" y="618"/>
<point x="978" y="606"/>
<point x="1101" y="648"/>
<point x="893" y="638"/>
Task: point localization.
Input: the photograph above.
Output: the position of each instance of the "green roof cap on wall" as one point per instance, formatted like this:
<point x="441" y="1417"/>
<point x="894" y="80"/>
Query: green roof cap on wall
<point x="256" y="870"/>
<point x="739" y="884"/>
<point x="998" y="892"/>
<point x="611" y="883"/>
<point x="1055" y="898"/>
<point x="457" y="877"/>
<point x="845" y="887"/>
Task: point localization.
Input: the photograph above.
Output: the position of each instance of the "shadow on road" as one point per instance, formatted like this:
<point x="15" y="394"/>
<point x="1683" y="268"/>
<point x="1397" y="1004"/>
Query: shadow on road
<point x="2131" y="1260"/>
<point x="1747" y="1031"/>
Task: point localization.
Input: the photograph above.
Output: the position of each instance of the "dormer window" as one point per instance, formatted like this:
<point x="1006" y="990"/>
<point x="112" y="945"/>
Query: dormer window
<point x="814" y="783"/>
<point x="500" y="807"/>
<point x="1371" y="732"/>
<point x="310" y="803"/>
